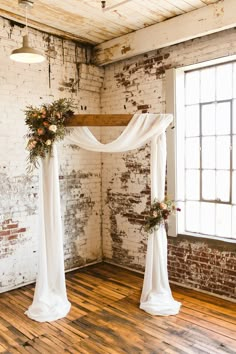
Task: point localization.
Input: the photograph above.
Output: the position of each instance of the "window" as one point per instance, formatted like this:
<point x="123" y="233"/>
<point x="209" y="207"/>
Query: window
<point x="205" y="134"/>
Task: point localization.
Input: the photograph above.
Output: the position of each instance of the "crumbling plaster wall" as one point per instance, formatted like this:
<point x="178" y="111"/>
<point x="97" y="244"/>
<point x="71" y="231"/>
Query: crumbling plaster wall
<point x="138" y="85"/>
<point x="66" y="74"/>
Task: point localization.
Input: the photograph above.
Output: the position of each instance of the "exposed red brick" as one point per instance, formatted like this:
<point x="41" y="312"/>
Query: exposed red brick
<point x="12" y="226"/>
<point x="195" y="264"/>
<point x="229" y="272"/>
<point x="143" y="106"/>
<point x="18" y="231"/>
<point x="12" y="237"/>
<point x="4" y="233"/>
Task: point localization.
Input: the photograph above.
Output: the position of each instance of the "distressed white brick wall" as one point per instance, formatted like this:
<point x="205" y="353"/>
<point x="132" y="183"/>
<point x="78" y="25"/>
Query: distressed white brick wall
<point x="137" y="85"/>
<point x="80" y="171"/>
<point x="131" y="86"/>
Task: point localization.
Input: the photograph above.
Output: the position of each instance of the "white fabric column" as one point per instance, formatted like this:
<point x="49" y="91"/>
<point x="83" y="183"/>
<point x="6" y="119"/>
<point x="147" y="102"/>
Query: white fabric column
<point x="156" y="297"/>
<point x="50" y="300"/>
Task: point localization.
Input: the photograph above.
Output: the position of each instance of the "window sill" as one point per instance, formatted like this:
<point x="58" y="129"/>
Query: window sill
<point x="205" y="238"/>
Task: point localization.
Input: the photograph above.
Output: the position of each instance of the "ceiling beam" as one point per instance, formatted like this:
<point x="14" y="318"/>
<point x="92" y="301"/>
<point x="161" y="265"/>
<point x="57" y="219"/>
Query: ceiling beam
<point x="206" y="20"/>
<point x="98" y="120"/>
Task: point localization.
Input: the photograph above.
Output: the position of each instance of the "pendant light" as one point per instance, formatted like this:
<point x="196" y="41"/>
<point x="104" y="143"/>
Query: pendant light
<point x="26" y="54"/>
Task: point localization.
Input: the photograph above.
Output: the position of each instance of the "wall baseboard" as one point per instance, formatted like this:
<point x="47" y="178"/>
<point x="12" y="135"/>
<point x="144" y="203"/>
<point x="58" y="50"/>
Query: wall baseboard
<point x="33" y="281"/>
<point x="175" y="283"/>
<point x="124" y="267"/>
<point x="132" y="270"/>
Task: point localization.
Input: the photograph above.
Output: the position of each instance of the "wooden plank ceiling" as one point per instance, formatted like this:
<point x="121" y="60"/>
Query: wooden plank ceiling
<point x="85" y="21"/>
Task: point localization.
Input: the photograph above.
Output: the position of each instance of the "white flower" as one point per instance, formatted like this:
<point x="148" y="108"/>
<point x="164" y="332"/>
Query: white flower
<point x="155" y="214"/>
<point x="163" y="206"/>
<point x="31" y="144"/>
<point x="48" y="142"/>
<point x="53" y="128"/>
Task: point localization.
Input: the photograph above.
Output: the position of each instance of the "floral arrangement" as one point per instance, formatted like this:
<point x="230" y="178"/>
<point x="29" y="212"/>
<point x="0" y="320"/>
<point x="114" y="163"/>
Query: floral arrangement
<point x="46" y="125"/>
<point x="159" y="213"/>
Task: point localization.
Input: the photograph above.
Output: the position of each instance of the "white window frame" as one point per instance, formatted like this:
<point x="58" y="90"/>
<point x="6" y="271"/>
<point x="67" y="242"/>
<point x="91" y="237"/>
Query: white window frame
<point x="175" y="105"/>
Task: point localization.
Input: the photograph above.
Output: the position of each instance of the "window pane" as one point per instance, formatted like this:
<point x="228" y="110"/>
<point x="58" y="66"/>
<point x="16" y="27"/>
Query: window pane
<point x="208" y="119"/>
<point x="234" y="152"/>
<point x="192" y="147"/>
<point x="224" y="81"/>
<point x="234" y="80"/>
<point x="208" y="218"/>
<point x="192" y="216"/>
<point x="234" y="221"/>
<point x="208" y="152"/>
<point x="222" y="186"/>
<point x="234" y="187"/>
<point x="223" y="112"/>
<point x="223" y="220"/>
<point x="234" y="116"/>
<point x="208" y="185"/>
<point x="192" y="184"/>
<point x="192" y="87"/>
<point x="223" y="152"/>
<point x="207" y="85"/>
<point x="209" y="143"/>
<point x="192" y="120"/>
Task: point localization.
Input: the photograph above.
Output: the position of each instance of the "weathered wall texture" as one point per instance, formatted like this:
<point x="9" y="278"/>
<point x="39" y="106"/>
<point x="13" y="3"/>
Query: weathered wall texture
<point x="80" y="171"/>
<point x="208" y="265"/>
<point x="135" y="85"/>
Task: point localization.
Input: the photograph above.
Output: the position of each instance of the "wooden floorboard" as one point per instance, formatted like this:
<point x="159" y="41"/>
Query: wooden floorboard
<point x="105" y="319"/>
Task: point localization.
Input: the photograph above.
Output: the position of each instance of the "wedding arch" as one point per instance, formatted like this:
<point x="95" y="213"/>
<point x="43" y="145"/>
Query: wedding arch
<point x="50" y="301"/>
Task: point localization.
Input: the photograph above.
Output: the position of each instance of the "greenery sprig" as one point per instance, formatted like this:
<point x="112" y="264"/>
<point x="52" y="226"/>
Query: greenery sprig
<point x="46" y="125"/>
<point x="159" y="213"/>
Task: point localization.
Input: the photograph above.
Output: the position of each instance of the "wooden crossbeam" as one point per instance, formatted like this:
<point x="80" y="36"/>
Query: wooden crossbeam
<point x="98" y="120"/>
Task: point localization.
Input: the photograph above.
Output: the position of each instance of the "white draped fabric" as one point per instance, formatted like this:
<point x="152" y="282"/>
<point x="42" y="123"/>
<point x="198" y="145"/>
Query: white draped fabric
<point x="156" y="297"/>
<point x="50" y="300"/>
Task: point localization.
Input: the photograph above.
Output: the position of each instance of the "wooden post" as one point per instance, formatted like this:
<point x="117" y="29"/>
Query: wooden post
<point x="98" y="120"/>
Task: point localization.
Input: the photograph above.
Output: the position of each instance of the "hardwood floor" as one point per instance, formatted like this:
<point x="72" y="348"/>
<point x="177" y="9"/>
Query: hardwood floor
<point x="105" y="318"/>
